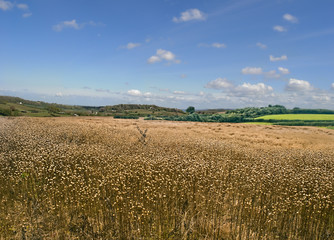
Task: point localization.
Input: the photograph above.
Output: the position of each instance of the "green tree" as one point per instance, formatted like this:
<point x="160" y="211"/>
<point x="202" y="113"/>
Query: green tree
<point x="190" y="109"/>
<point x="53" y="108"/>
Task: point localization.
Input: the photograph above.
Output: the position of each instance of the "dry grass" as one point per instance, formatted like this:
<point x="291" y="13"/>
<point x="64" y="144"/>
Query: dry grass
<point x="92" y="178"/>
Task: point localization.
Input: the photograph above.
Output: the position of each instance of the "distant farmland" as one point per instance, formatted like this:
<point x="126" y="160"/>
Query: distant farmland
<point x="299" y="117"/>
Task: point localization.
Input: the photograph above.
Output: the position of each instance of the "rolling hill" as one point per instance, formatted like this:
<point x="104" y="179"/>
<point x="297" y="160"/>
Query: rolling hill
<point x="15" y="106"/>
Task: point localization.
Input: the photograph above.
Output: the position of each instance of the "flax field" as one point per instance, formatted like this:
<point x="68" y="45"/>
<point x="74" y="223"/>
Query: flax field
<point x="105" y="178"/>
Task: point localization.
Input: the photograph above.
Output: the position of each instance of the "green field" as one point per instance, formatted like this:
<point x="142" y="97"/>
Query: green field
<point x="299" y="117"/>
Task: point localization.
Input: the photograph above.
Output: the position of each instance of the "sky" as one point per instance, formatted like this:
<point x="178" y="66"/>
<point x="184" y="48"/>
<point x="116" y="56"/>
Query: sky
<point x="172" y="53"/>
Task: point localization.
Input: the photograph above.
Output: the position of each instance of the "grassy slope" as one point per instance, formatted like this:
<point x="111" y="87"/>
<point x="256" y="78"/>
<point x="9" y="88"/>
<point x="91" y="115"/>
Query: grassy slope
<point x="299" y="117"/>
<point x="40" y="109"/>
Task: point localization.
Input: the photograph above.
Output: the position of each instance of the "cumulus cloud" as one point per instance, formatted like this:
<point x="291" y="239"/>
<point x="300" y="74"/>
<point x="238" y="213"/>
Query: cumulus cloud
<point x="190" y="15"/>
<point x="102" y="90"/>
<point x="252" y="71"/>
<point x="179" y="92"/>
<point x="147" y="94"/>
<point x="279" y="28"/>
<point x="272" y="74"/>
<point x="219" y="83"/>
<point x="66" y="24"/>
<point x="214" y="45"/>
<point x="132" y="45"/>
<point x="74" y="25"/>
<point x="26" y="15"/>
<point x="59" y="94"/>
<point x="321" y="98"/>
<point x="275" y="59"/>
<point x="218" y="45"/>
<point x="166" y="55"/>
<point x="261" y="45"/>
<point x="6" y="5"/>
<point x="253" y="89"/>
<point x="290" y="18"/>
<point x="154" y="59"/>
<point x="22" y="6"/>
<point x="298" y="85"/>
<point x="162" y="54"/>
<point x="283" y="70"/>
<point x="137" y="93"/>
<point x="134" y="92"/>
<point x="242" y="90"/>
<point x="259" y="71"/>
<point x="332" y="86"/>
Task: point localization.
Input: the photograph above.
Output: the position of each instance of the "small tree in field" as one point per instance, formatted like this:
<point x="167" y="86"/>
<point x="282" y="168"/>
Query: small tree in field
<point x="190" y="109"/>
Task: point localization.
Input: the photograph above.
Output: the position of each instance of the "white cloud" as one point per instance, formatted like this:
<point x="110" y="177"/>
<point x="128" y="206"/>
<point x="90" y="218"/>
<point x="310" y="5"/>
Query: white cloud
<point x="22" y="6"/>
<point x="67" y="24"/>
<point x="275" y="59"/>
<point x="259" y="71"/>
<point x="279" y="28"/>
<point x="183" y="76"/>
<point x="283" y="70"/>
<point x="219" y="83"/>
<point x="261" y="45"/>
<point x="272" y="74"/>
<point x="298" y="85"/>
<point x="162" y="54"/>
<point x="253" y="89"/>
<point x="190" y="15"/>
<point x="179" y="92"/>
<point x="218" y="45"/>
<point x="252" y="70"/>
<point x="59" y="94"/>
<point x="102" y="90"/>
<point x="147" y="94"/>
<point x="290" y="18"/>
<point x="332" y="86"/>
<point x="153" y="59"/>
<point x="215" y="45"/>
<point x="241" y="90"/>
<point x="26" y="15"/>
<point x="134" y="92"/>
<point x="6" y="5"/>
<point x="73" y="24"/>
<point x="321" y="98"/>
<point x="132" y="45"/>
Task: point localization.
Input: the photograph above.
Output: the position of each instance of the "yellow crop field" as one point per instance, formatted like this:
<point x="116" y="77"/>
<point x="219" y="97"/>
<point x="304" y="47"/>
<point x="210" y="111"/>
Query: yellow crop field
<point x="104" y="178"/>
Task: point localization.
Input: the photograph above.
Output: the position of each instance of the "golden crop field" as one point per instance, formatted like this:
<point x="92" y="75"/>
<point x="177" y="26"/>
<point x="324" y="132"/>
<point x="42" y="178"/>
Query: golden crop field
<point x="104" y="178"/>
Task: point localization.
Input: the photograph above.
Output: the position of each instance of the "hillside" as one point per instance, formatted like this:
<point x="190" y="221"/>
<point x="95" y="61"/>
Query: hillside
<point x="15" y="106"/>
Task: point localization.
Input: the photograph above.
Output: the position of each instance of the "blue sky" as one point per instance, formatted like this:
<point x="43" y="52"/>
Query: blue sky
<point x="174" y="53"/>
